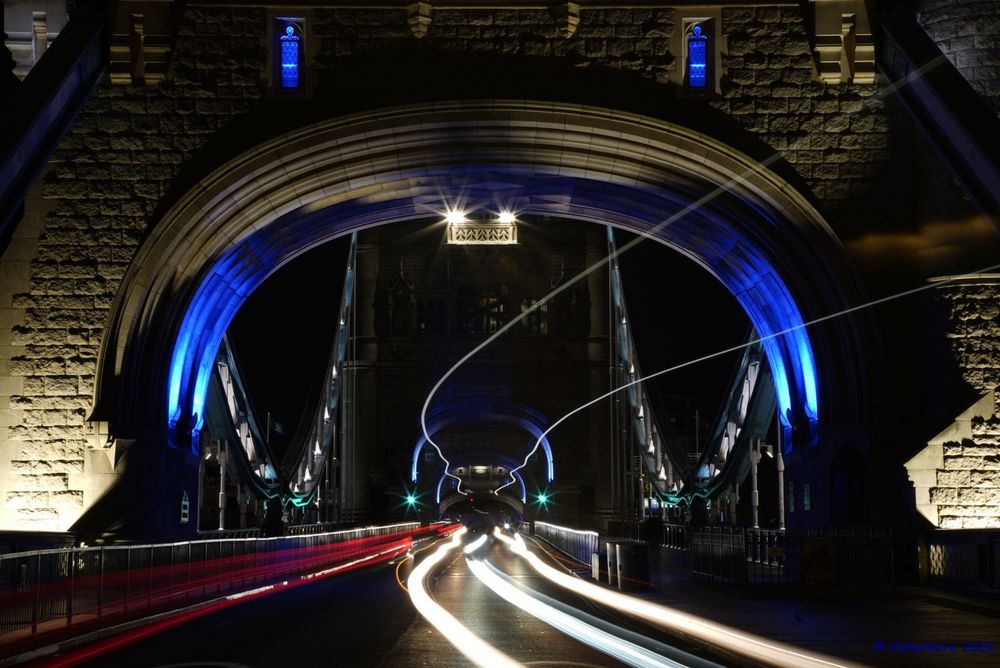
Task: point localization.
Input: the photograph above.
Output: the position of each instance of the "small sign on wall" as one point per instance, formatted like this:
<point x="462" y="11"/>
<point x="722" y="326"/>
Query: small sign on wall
<point x="185" y="506"/>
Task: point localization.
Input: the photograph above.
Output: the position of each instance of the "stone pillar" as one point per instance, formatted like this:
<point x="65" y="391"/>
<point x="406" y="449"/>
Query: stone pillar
<point x="360" y="454"/>
<point x="602" y="452"/>
<point x="145" y="503"/>
<point x="958" y="30"/>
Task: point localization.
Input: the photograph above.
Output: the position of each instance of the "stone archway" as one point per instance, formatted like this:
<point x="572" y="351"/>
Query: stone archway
<point x="740" y="221"/>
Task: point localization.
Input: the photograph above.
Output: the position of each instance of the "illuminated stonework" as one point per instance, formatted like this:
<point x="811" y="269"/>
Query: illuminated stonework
<point x="482" y="234"/>
<point x="956" y="478"/>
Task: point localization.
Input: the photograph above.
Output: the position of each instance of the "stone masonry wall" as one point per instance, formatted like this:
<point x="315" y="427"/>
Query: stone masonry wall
<point x="968" y="34"/>
<point x="101" y="190"/>
<point x="108" y="178"/>
<point x="968" y="492"/>
<point x="834" y="136"/>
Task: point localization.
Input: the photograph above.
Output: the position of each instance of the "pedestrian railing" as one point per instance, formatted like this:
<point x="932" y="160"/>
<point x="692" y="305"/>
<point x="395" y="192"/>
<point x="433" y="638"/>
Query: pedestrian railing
<point x="823" y="558"/>
<point x="719" y="554"/>
<point x="47" y="591"/>
<point x="628" y="530"/>
<point x="864" y="556"/>
<point x="654" y="532"/>
<point x="253" y="532"/>
<point x="676" y="537"/>
<point x="579" y="545"/>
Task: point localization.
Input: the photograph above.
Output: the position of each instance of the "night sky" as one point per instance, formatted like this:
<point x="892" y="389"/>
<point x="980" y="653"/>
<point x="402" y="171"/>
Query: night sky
<point x="283" y="334"/>
<point x="680" y="312"/>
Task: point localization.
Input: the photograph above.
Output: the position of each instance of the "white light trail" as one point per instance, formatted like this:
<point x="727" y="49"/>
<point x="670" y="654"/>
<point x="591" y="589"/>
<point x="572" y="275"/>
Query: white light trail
<point x="745" y="644"/>
<point x="623" y="650"/>
<point x="465" y="641"/>
<point x="703" y="358"/>
<point x="651" y="234"/>
<point x="476" y="544"/>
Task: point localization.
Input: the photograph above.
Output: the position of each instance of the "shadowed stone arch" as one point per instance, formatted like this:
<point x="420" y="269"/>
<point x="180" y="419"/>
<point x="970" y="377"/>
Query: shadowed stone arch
<point x="737" y="219"/>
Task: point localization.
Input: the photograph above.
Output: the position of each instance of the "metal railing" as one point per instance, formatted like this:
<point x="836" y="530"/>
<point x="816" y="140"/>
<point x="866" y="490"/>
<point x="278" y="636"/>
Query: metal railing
<point x="864" y="556"/>
<point x="719" y="554"/>
<point x="824" y="558"/>
<point x="247" y="532"/>
<point x="654" y="532"/>
<point x="627" y="529"/>
<point x="306" y="529"/>
<point x="47" y="591"/>
<point x="578" y="544"/>
<point x="676" y="537"/>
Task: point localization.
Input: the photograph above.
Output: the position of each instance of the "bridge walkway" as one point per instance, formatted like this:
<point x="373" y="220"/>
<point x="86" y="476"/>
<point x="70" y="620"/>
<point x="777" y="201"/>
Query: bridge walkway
<point x="876" y="628"/>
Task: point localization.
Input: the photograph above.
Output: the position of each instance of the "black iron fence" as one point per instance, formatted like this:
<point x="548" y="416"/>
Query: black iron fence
<point x="827" y="558"/>
<point x="654" y="532"/>
<point x="628" y="530"/>
<point x="52" y="590"/>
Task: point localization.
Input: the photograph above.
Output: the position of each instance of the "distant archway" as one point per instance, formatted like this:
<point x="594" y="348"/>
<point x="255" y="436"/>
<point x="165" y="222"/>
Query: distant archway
<point x="486" y="409"/>
<point x="739" y="221"/>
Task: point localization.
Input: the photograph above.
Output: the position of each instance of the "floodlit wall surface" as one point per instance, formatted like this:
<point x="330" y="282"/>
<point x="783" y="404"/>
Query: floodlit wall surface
<point x="967" y="493"/>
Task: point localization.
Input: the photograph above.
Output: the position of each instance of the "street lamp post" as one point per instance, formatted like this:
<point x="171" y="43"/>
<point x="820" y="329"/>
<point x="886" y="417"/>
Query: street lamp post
<point x="754" y="459"/>
<point x="781" y="482"/>
<point x="756" y="450"/>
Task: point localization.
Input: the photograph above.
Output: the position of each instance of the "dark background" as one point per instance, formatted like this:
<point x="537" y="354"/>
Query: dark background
<point x="283" y="333"/>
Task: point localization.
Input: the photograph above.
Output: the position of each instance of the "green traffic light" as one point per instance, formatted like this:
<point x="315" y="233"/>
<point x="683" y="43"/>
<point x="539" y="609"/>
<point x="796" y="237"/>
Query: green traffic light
<point x="411" y="500"/>
<point x="543" y="499"/>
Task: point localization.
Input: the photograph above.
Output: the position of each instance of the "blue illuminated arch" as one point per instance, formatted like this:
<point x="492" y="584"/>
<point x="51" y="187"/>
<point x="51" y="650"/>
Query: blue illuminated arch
<point x="759" y="237"/>
<point x="486" y="409"/>
<point x="517" y="475"/>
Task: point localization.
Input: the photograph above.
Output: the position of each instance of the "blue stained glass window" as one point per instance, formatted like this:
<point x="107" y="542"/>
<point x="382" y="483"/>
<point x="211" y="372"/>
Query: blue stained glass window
<point x="697" y="58"/>
<point x="290" y="44"/>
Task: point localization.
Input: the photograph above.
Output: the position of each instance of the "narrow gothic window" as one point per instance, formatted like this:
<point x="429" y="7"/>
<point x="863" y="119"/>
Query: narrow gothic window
<point x="289" y="55"/>
<point x="697" y="57"/>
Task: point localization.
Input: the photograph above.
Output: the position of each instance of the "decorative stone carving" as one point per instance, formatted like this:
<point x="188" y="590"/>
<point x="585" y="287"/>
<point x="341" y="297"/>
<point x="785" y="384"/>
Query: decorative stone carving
<point x="843" y="45"/>
<point x="567" y="15"/>
<point x="482" y="234"/>
<point x="141" y="43"/>
<point x="419" y="17"/>
<point x="136" y="50"/>
<point x="39" y="34"/>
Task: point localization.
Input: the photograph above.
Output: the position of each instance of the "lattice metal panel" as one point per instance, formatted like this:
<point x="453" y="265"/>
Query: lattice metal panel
<point x="956" y="562"/>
